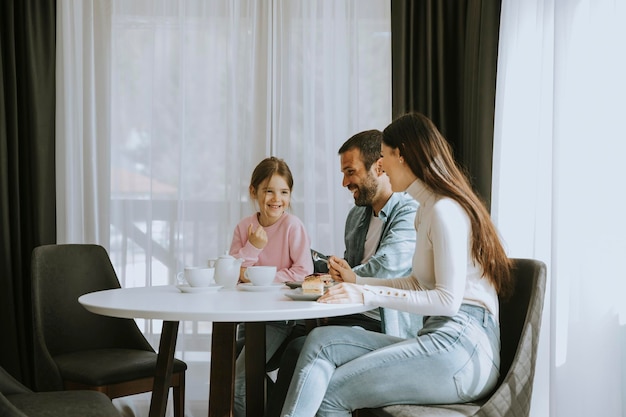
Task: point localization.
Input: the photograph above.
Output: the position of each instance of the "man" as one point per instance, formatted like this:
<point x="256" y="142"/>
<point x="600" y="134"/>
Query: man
<point x="380" y="242"/>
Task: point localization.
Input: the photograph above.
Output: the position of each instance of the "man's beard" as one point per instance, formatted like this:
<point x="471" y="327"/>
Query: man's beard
<point x="366" y="192"/>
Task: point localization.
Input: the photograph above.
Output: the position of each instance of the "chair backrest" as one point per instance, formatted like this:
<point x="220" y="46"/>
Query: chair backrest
<point x="9" y="410"/>
<point x="10" y="385"/>
<point x="60" y="274"/>
<point x="520" y="322"/>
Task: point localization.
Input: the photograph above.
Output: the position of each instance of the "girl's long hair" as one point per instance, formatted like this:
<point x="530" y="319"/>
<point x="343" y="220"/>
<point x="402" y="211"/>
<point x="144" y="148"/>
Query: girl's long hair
<point x="267" y="168"/>
<point x="430" y="158"/>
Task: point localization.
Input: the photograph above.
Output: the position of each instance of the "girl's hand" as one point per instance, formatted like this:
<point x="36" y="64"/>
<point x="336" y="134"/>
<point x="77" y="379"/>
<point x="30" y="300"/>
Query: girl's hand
<point x="242" y="277"/>
<point x="258" y="237"/>
<point x="343" y="293"/>
<point x="340" y="270"/>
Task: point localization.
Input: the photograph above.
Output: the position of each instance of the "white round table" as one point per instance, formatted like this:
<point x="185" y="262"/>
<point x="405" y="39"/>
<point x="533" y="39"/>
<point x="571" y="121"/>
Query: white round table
<point x="225" y="308"/>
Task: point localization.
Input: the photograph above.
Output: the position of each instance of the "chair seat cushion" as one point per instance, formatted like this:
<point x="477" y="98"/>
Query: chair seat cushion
<point x="451" y="410"/>
<point x="108" y="366"/>
<point x="64" y="404"/>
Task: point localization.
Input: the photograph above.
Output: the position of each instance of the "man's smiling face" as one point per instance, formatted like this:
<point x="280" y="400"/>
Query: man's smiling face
<point x="361" y="182"/>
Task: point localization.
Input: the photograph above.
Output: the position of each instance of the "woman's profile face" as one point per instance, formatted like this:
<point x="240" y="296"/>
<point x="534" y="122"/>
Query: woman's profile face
<point x="399" y="173"/>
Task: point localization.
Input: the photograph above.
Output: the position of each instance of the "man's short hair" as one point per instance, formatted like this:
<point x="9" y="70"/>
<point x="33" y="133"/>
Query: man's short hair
<point x="368" y="142"/>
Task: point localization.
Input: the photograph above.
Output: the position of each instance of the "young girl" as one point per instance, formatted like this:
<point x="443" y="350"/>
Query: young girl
<point x="270" y="237"/>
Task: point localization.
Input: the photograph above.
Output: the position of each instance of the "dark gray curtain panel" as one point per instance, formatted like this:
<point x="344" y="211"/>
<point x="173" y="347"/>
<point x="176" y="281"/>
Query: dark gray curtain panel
<point x="27" y="204"/>
<point x="444" y="57"/>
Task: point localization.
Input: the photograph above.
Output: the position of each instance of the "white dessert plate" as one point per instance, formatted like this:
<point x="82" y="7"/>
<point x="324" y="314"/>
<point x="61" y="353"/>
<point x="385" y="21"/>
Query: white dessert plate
<point x="297" y="295"/>
<point x="190" y="289"/>
<point x="247" y="286"/>
<point x="298" y="284"/>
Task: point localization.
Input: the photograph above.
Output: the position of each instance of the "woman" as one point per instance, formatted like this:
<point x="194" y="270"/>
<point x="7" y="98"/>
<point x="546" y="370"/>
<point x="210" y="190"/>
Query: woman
<point x="459" y="269"/>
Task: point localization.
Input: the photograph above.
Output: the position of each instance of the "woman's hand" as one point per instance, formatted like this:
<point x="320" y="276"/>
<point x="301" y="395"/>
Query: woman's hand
<point x="343" y="293"/>
<point x="340" y="270"/>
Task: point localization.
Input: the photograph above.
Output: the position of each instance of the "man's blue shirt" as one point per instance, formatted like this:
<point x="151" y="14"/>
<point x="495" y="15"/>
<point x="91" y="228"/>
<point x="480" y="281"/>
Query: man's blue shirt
<point x="394" y="254"/>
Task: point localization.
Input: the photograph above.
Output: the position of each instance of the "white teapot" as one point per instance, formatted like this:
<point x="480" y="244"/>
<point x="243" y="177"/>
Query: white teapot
<point x="227" y="271"/>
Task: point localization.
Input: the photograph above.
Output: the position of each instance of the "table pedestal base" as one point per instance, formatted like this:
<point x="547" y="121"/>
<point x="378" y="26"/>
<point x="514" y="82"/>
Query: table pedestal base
<point x="223" y="346"/>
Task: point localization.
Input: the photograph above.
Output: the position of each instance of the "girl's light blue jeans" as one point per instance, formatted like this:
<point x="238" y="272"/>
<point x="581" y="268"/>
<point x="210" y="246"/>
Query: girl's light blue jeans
<point x="451" y="360"/>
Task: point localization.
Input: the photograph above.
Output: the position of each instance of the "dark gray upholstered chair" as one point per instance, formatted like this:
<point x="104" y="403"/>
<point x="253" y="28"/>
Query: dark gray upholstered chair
<point x="18" y="401"/>
<point x="79" y="350"/>
<point x="520" y="321"/>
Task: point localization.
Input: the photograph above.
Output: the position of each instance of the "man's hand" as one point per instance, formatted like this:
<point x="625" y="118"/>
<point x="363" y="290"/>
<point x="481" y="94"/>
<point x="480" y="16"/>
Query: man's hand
<point x="258" y="237"/>
<point x="340" y="270"/>
<point x="343" y="293"/>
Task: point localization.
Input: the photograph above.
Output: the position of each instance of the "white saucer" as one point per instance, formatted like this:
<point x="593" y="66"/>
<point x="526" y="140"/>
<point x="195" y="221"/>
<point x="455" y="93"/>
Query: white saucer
<point x="297" y="295"/>
<point x="189" y="289"/>
<point x="248" y="286"/>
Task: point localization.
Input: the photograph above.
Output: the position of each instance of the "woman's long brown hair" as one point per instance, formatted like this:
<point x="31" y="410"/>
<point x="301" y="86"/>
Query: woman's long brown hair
<point x="430" y="158"/>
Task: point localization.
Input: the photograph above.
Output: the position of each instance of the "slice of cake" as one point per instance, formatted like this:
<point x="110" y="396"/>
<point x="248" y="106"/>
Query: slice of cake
<point x="315" y="283"/>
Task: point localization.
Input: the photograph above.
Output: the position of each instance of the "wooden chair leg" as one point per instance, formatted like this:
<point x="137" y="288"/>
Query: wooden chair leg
<point x="178" y="394"/>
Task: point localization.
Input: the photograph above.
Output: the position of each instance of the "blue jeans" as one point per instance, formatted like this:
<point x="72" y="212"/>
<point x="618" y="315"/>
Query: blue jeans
<point x="452" y="360"/>
<point x="275" y="334"/>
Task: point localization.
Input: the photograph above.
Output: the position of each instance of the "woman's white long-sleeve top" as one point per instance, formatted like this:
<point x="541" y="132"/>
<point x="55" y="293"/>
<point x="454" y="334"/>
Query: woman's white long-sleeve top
<point x="444" y="275"/>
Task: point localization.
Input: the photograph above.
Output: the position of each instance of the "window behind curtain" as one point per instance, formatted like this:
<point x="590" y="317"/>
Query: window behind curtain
<point x="202" y="91"/>
<point x="164" y="107"/>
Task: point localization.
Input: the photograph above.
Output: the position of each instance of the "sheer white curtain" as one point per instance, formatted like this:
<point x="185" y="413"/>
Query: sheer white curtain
<point x="83" y="121"/>
<point x="165" y="106"/>
<point x="558" y="180"/>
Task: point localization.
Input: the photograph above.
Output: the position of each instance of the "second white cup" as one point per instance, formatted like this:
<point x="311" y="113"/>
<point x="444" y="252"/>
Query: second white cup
<point x="260" y="275"/>
<point x="197" y="276"/>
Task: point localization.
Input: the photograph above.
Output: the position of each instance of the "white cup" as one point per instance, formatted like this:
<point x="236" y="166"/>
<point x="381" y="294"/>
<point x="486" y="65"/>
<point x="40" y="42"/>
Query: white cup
<point x="260" y="275"/>
<point x="197" y="276"/>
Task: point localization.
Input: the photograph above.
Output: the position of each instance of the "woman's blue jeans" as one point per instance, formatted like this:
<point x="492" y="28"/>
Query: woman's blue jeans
<point x="452" y="360"/>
